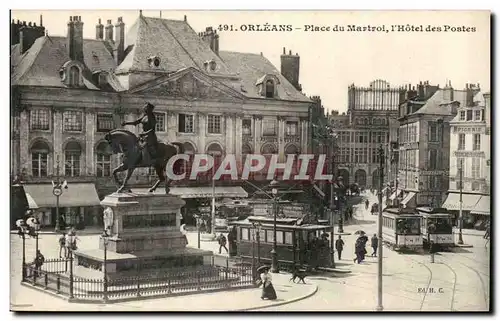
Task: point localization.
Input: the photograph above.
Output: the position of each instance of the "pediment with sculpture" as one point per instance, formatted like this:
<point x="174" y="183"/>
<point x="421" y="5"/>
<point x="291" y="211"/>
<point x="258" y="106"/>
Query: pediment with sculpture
<point x="189" y="84"/>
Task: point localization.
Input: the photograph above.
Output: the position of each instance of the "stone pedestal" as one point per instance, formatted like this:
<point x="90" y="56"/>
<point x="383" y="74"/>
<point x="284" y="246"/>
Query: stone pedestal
<point x="144" y="234"/>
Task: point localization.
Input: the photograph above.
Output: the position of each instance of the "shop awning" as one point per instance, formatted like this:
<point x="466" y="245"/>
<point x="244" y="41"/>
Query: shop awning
<point x="77" y="194"/>
<point x="408" y="198"/>
<point x="201" y="192"/>
<point x="31" y="202"/>
<point x="483" y="206"/>
<point x="469" y="202"/>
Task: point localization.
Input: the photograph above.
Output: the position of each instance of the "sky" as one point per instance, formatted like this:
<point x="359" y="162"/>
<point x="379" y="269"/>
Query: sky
<point x="331" y="61"/>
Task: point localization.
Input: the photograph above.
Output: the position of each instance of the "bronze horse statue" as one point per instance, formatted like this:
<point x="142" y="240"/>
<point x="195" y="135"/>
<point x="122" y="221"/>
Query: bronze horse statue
<point x="134" y="156"/>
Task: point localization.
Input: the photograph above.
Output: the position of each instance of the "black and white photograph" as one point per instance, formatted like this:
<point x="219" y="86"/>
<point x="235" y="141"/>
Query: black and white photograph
<point x="250" y="161"/>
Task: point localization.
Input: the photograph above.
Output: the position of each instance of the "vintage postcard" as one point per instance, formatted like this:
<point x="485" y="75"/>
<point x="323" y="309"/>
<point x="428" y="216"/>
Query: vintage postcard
<point x="250" y="160"/>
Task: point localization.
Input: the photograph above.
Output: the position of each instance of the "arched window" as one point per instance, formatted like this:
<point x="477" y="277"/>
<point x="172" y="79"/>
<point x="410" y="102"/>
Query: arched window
<point x="72" y="154"/>
<point x="215" y="150"/>
<point x="103" y="160"/>
<point x="293" y="150"/>
<point x="269" y="88"/>
<point x="39" y="159"/>
<point x="268" y="149"/>
<point x="360" y="177"/>
<point x="74" y="76"/>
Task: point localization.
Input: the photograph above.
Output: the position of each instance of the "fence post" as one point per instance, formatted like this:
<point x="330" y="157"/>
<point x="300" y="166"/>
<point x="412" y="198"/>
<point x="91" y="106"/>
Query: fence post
<point x="46" y="280"/>
<point x="58" y="284"/>
<point x="198" y="278"/>
<point x="213" y="260"/>
<point x="71" y="275"/>
<point x="169" y="287"/>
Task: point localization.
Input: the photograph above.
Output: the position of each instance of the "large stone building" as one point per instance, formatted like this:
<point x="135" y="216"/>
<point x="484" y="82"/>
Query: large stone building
<point x="362" y="130"/>
<point x="67" y="92"/>
<point x="470" y="151"/>
<point x="424" y="144"/>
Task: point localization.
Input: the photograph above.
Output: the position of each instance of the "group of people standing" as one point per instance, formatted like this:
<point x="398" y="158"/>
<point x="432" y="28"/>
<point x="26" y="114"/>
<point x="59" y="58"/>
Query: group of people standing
<point x="360" y="247"/>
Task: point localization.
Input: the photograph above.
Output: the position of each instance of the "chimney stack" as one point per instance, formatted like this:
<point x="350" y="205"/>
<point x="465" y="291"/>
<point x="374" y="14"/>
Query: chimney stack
<point x="25" y="35"/>
<point x="211" y="38"/>
<point x="119" y="52"/>
<point x="99" y="30"/>
<point x="109" y="31"/>
<point x="75" y="38"/>
<point x="290" y="68"/>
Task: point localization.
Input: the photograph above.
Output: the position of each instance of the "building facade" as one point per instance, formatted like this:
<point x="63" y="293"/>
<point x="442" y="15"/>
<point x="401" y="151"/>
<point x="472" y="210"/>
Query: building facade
<point x="362" y="130"/>
<point x="470" y="153"/>
<point x="424" y="145"/>
<point x="68" y="92"/>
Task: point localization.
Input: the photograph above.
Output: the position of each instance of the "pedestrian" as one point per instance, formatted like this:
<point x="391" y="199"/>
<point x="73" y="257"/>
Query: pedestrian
<point x="339" y="246"/>
<point x="358" y="250"/>
<point x="62" y="245"/>
<point x="367" y="203"/>
<point x="374" y="245"/>
<point x="39" y="260"/>
<point x="268" y="291"/>
<point x="222" y="243"/>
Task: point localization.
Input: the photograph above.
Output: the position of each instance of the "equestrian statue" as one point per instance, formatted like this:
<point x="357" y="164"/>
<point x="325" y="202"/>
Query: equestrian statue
<point x="142" y="151"/>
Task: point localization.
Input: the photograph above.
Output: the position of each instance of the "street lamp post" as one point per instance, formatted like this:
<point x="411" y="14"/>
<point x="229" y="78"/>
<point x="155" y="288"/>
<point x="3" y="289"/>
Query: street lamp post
<point x="274" y="254"/>
<point x="57" y="191"/>
<point x="105" y="239"/>
<point x="198" y="223"/>
<point x="24" y="257"/>
<point x="341" y="220"/>
<point x="460" y="211"/>
<point x="380" y="307"/>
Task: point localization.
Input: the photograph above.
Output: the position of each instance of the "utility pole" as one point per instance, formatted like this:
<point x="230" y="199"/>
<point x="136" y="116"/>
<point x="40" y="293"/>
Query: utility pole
<point x="57" y="194"/>
<point x="460" y="213"/>
<point x="332" y="213"/>
<point x="380" y="307"/>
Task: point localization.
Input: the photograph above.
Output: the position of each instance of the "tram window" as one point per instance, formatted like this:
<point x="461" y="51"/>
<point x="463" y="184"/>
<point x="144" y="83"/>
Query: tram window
<point x="288" y="238"/>
<point x="244" y="234"/>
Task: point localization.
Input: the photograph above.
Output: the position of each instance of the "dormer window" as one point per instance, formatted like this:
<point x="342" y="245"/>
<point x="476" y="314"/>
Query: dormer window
<point x="154" y="61"/>
<point x="71" y="74"/>
<point x="268" y="86"/>
<point x="210" y="65"/>
<point x="269" y="89"/>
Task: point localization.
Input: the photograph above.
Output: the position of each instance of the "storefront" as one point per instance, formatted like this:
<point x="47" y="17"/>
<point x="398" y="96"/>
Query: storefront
<point x="469" y="202"/>
<point x="79" y="205"/>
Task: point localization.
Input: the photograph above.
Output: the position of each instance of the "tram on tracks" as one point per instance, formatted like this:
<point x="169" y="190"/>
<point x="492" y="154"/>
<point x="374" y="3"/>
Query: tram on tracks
<point x="401" y="229"/>
<point x="436" y="226"/>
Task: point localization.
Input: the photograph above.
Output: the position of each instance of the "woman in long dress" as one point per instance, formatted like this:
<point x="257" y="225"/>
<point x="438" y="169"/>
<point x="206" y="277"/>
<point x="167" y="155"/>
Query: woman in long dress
<point x="268" y="291"/>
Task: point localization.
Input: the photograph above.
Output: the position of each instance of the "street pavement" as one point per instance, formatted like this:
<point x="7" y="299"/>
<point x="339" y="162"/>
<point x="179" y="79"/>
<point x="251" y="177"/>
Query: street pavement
<point x="26" y="299"/>
<point x="459" y="279"/>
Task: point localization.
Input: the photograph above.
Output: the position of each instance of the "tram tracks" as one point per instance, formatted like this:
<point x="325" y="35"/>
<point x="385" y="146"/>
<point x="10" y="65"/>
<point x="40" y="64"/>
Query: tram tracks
<point x="454" y="285"/>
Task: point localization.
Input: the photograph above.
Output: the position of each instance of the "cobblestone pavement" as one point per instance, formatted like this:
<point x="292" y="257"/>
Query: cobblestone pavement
<point x="23" y="298"/>
<point x="462" y="276"/>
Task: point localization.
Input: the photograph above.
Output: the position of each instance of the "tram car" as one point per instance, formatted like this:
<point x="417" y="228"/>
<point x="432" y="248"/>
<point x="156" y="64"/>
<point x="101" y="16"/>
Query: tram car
<point x="297" y="243"/>
<point x="436" y="226"/>
<point x="401" y="229"/>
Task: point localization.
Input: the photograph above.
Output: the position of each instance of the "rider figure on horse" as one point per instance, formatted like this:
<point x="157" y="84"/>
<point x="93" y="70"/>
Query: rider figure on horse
<point x="148" y="121"/>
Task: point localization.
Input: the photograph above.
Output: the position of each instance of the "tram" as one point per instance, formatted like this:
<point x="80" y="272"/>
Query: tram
<point x="296" y="243"/>
<point x="401" y="229"/>
<point x="436" y="226"/>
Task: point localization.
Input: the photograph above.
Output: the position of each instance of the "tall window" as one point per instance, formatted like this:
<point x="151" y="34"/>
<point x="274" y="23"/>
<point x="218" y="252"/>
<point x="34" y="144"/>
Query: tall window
<point x="345" y="155"/>
<point x="433" y="132"/>
<point x="357" y="155"/>
<point x="434" y="182"/>
<point x="74" y="76"/>
<point x="103" y="160"/>
<point x="269" y="127"/>
<point x="477" y="142"/>
<point x="460" y="166"/>
<point x="292" y="128"/>
<point x="186" y="123"/>
<point x="105" y="122"/>
<point x="269" y="88"/>
<point x="475" y="172"/>
<point x="72" y="155"/>
<point x="375" y="156"/>
<point x="160" y="122"/>
<point x="461" y="141"/>
<point x="364" y="155"/>
<point x="39" y="119"/>
<point x="462" y="115"/>
<point x="73" y="121"/>
<point x="247" y="126"/>
<point x="433" y="162"/>
<point x="477" y="115"/>
<point x="39" y="159"/>
<point x="214" y="124"/>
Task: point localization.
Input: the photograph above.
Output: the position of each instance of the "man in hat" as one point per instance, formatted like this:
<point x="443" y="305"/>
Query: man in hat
<point x="148" y="121"/>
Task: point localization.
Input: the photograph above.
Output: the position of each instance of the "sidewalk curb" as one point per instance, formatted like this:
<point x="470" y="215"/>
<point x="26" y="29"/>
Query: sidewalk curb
<point x="307" y="295"/>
